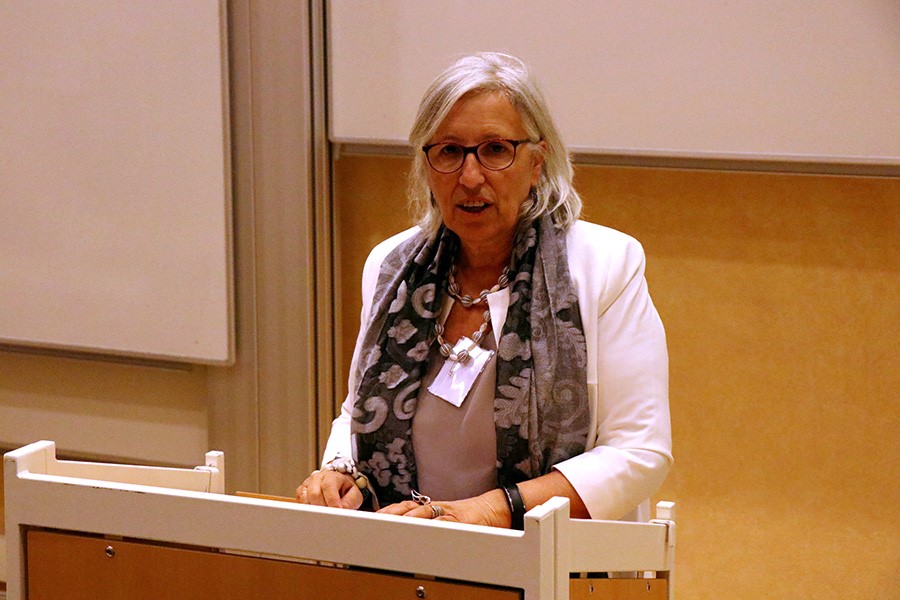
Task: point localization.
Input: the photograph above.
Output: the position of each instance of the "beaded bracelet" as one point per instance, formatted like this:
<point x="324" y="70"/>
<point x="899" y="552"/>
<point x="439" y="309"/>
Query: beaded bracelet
<point x="347" y="466"/>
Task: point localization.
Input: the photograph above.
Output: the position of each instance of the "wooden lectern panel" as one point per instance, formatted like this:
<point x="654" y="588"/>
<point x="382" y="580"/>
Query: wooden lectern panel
<point x="69" y="566"/>
<point x="618" y="589"/>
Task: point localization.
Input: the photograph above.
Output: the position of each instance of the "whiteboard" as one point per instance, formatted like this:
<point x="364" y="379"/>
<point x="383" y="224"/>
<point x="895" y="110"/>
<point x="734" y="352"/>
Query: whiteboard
<point x="809" y="80"/>
<point x="115" y="183"/>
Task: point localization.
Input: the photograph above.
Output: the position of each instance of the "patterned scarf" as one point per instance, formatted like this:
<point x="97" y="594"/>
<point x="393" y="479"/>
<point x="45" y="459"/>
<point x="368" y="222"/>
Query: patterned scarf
<point x="540" y="405"/>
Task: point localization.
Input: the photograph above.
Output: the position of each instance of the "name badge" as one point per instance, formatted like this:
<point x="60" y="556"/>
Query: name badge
<point x="456" y="379"/>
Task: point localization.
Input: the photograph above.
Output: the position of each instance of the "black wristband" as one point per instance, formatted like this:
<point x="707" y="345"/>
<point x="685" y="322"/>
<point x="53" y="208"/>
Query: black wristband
<point x="516" y="506"/>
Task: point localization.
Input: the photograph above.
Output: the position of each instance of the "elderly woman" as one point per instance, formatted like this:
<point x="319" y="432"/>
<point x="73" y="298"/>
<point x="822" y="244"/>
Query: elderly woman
<point x="508" y="352"/>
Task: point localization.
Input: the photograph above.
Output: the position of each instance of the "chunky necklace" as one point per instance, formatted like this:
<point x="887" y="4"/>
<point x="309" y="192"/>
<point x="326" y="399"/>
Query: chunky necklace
<point x="467" y="301"/>
<point x="463" y="355"/>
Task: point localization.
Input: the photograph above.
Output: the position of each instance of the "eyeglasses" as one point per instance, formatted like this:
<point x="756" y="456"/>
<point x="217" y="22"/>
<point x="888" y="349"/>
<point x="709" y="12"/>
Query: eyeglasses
<point x="495" y="155"/>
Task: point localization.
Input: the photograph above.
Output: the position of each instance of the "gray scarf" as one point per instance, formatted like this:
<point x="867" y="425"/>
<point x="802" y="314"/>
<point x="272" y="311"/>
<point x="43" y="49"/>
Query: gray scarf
<point x="541" y="403"/>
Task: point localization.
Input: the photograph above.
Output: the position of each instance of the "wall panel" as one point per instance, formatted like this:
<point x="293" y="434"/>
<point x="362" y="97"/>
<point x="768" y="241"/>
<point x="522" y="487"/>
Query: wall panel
<point x="810" y="80"/>
<point x="115" y="186"/>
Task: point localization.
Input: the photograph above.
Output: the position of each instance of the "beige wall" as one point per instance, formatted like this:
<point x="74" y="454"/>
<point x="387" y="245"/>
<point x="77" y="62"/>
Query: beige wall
<point x="778" y="293"/>
<point x="97" y="408"/>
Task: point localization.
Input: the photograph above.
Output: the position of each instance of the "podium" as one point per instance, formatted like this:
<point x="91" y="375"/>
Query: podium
<point x="79" y="530"/>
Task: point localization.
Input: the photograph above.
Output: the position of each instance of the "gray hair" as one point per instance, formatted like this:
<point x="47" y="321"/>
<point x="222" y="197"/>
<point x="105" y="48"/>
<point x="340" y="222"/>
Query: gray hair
<point x="487" y="72"/>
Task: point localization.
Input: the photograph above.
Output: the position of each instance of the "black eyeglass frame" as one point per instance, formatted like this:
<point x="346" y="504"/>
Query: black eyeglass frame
<point x="467" y="150"/>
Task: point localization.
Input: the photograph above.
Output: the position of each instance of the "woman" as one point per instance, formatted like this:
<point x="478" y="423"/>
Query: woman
<point x="508" y="352"/>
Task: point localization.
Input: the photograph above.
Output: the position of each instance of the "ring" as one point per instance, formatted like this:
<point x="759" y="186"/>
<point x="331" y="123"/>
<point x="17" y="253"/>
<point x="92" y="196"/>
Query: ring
<point x="436" y="511"/>
<point x="420" y="498"/>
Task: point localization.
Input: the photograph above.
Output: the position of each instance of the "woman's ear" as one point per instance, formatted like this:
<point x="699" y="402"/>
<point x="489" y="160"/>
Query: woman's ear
<point x="537" y="162"/>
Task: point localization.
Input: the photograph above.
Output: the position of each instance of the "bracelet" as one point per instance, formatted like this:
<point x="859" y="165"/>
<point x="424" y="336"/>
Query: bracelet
<point x="516" y="506"/>
<point x="347" y="466"/>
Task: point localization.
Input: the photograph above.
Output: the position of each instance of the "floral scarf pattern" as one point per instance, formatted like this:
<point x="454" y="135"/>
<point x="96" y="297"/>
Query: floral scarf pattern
<point x="540" y="404"/>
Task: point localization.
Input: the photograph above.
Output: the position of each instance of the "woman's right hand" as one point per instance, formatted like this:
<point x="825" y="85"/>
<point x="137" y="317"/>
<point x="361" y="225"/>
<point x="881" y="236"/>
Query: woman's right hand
<point x="330" y="488"/>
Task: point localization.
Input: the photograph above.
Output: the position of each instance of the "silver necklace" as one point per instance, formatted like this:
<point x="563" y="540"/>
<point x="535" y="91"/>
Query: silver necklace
<point x="467" y="301"/>
<point x="463" y="355"/>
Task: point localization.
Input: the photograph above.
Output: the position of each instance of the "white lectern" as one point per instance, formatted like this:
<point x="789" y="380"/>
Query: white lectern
<point x="78" y="530"/>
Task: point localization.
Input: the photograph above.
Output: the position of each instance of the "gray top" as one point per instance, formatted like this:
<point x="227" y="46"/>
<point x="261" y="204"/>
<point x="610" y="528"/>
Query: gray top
<point x="456" y="448"/>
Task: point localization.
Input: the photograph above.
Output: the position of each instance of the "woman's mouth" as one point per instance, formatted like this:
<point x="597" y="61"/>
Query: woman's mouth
<point x="472" y="206"/>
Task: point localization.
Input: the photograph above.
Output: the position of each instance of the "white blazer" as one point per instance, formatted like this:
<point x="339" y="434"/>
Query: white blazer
<point x="629" y="446"/>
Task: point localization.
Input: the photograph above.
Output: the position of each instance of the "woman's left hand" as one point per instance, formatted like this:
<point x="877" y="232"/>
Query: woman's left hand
<point x="489" y="508"/>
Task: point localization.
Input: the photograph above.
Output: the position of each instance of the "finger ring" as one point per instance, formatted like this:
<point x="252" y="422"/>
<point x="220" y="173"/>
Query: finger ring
<point x="420" y="498"/>
<point x="436" y="511"/>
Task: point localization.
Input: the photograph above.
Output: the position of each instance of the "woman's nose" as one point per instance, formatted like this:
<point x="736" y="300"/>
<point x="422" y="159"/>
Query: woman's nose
<point x="471" y="173"/>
